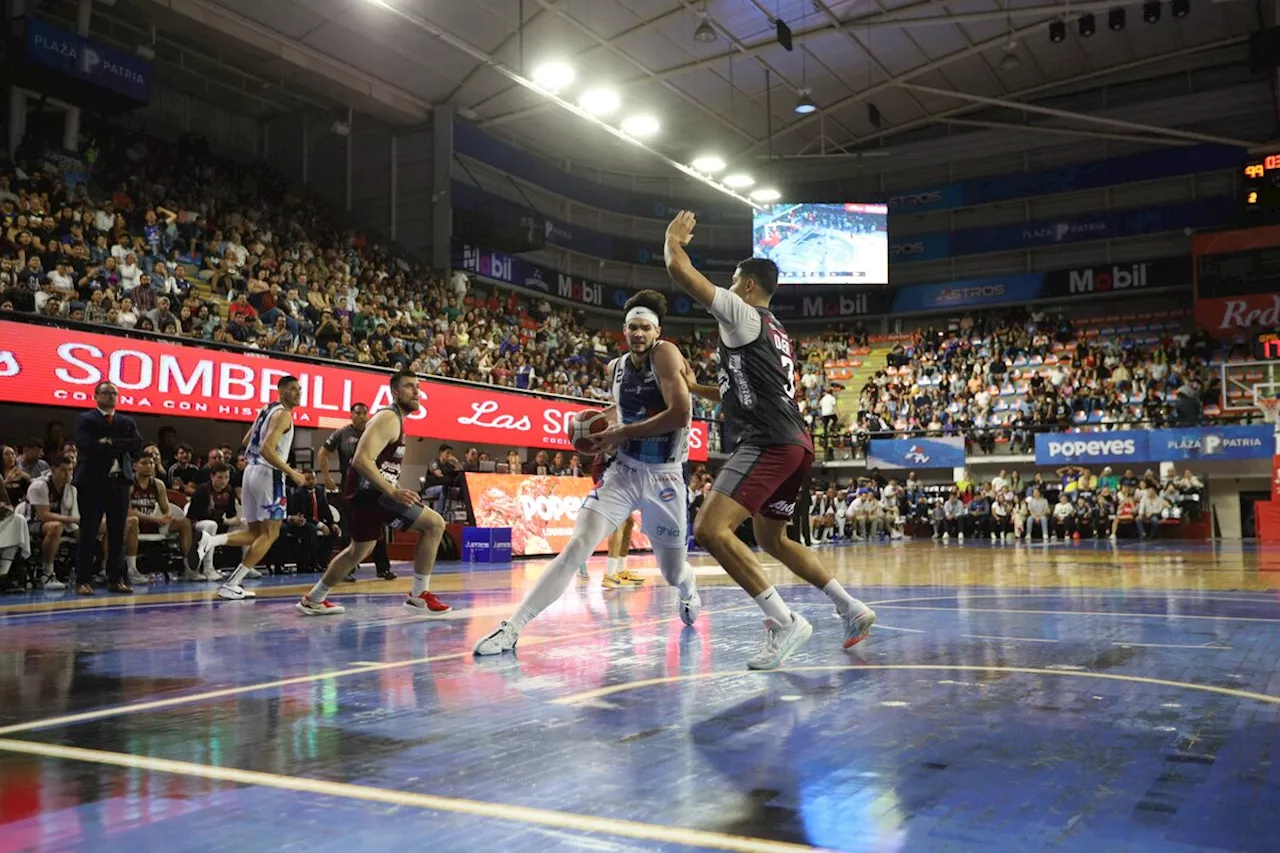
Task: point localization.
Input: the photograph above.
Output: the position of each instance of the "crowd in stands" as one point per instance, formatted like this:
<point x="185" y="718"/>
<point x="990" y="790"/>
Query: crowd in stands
<point x="1073" y="504"/>
<point x="1000" y="377"/>
<point x="184" y="243"/>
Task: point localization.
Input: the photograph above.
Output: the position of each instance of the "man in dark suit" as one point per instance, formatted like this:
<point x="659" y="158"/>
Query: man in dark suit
<point x="311" y="524"/>
<point x="107" y="443"/>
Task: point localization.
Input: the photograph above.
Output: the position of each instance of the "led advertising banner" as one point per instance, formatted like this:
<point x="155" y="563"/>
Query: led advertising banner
<point x="59" y="367"/>
<point x="541" y="511"/>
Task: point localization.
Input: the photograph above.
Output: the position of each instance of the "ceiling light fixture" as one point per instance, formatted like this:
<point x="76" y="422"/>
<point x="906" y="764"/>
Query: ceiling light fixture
<point x="739" y="181"/>
<point x="1088" y="26"/>
<point x="805" y="104"/>
<point x="708" y="164"/>
<point x="553" y="76"/>
<point x="599" y="102"/>
<point x="640" y="125"/>
<point x="765" y="194"/>
<point x="1151" y="11"/>
<point x="1115" y="20"/>
<point x="1057" y="32"/>
<point x="705" y="33"/>
<point x="526" y="82"/>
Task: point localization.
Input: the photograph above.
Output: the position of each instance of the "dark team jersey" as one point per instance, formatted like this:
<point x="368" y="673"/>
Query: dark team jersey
<point x="142" y="499"/>
<point x="388" y="460"/>
<point x="344" y="441"/>
<point x="758" y="389"/>
<point x="638" y="395"/>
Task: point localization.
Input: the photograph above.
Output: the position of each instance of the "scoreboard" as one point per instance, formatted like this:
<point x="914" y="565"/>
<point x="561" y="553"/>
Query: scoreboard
<point x="1266" y="346"/>
<point x="1261" y="186"/>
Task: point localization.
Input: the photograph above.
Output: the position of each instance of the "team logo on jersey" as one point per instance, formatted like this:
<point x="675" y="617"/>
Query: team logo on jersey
<point x="667" y="494"/>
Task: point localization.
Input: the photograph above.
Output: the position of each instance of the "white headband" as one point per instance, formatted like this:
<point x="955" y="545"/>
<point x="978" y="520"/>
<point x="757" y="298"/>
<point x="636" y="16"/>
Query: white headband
<point x="641" y="313"/>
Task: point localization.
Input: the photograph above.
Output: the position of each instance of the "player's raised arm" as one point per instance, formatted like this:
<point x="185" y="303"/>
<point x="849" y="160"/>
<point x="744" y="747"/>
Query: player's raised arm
<point x="679" y="267"/>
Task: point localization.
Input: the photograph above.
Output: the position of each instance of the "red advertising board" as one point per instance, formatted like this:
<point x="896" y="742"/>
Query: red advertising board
<point x="540" y="511"/>
<point x="1237" y="280"/>
<point x="46" y="366"/>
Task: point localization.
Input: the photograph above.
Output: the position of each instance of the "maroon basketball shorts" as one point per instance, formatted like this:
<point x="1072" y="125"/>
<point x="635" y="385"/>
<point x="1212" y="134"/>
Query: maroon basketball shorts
<point x="371" y="511"/>
<point x="765" y="480"/>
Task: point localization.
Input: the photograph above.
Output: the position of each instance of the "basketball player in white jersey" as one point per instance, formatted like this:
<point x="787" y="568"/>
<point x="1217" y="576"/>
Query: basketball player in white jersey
<point x="371" y="492"/>
<point x="650" y="427"/>
<point x="262" y="493"/>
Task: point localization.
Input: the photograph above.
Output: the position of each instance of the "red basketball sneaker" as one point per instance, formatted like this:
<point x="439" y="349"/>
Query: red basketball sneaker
<point x="426" y="604"/>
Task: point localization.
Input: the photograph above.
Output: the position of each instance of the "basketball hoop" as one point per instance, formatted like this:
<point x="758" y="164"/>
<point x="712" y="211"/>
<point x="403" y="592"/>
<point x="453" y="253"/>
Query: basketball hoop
<point x="1270" y="407"/>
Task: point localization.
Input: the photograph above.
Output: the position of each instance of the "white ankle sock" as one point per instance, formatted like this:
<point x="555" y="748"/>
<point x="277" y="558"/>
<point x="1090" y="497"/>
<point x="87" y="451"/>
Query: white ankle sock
<point x="844" y="602"/>
<point x="238" y="575"/>
<point x="318" y="592"/>
<point x="48" y="570"/>
<point x="131" y="563"/>
<point x="774" y="607"/>
<point x="421" y="583"/>
<point x="613" y="566"/>
<point x="217" y="540"/>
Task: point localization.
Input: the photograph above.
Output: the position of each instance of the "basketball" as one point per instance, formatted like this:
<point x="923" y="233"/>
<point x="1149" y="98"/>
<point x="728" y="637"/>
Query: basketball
<point x="586" y="424"/>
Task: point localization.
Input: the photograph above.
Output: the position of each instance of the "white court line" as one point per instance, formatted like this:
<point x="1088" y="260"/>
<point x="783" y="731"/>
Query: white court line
<point x="569" y="821"/>
<point x="1206" y="646"/>
<point x="1014" y="639"/>
<point x="1074" y="613"/>
<point x="879" y="627"/>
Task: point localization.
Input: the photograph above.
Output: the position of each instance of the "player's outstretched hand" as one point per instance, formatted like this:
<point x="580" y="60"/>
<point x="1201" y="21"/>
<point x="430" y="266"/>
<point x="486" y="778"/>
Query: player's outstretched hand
<point x="408" y="497"/>
<point x="681" y="228"/>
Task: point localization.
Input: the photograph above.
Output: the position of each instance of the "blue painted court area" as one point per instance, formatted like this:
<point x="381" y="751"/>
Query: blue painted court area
<point x="973" y="719"/>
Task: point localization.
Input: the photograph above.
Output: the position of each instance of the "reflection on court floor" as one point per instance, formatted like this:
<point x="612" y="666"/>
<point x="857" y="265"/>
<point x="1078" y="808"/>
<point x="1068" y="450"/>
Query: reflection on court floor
<point x="1072" y="697"/>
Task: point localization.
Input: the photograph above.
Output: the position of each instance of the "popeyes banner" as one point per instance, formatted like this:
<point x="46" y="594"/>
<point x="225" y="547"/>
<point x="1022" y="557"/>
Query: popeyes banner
<point x="541" y="511"/>
<point x="47" y="366"/>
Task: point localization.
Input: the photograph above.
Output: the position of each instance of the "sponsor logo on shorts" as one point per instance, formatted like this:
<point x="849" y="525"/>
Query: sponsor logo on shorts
<point x="669" y="532"/>
<point x="667" y="494"/>
<point x="782" y="507"/>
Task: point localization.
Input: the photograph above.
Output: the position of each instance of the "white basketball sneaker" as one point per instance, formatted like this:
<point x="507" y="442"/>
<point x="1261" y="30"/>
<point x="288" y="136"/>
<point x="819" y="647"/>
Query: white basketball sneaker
<point x="307" y="607"/>
<point x="780" y="641"/>
<point x="235" y="593"/>
<point x="503" y="639"/>
<point x="857" y="625"/>
<point x="690" y="608"/>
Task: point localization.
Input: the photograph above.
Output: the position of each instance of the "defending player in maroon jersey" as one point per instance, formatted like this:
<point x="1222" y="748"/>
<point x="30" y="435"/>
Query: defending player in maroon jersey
<point x="375" y="499"/>
<point x="772" y="450"/>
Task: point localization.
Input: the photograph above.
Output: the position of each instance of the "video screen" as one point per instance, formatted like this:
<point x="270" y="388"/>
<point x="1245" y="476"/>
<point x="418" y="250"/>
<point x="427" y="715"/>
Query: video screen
<point x="825" y="243"/>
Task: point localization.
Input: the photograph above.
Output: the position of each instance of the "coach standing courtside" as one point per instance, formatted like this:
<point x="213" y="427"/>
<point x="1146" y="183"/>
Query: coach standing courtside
<point x="108" y="443"/>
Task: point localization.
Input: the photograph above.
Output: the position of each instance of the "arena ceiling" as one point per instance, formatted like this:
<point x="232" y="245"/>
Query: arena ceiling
<point x="879" y="71"/>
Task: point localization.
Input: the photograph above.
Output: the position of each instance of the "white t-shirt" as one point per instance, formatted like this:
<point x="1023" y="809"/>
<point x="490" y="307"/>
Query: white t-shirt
<point x="1063" y="510"/>
<point x="827" y="404"/>
<point x="739" y="322"/>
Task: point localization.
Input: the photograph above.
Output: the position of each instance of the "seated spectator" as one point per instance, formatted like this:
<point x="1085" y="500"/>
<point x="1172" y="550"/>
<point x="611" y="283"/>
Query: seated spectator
<point x="1064" y="524"/>
<point x="213" y="509"/>
<point x="1038" y="514"/>
<point x="53" y="510"/>
<point x="310" y="524"/>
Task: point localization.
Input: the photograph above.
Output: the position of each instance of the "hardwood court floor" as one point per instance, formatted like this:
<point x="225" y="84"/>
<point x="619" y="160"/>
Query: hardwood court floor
<point x="1061" y="697"/>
